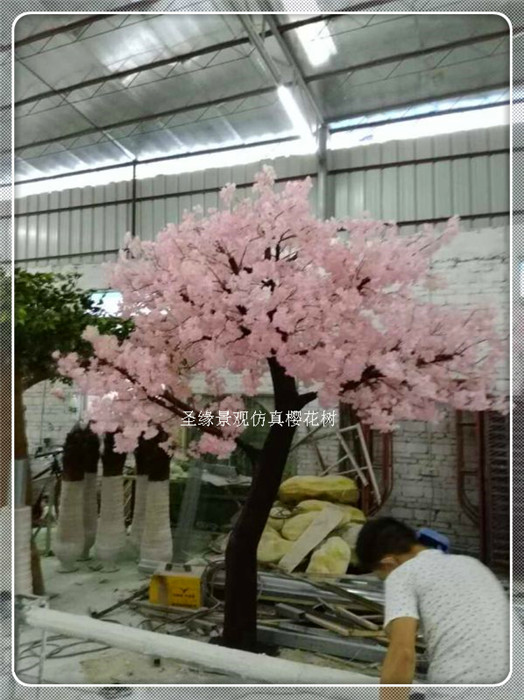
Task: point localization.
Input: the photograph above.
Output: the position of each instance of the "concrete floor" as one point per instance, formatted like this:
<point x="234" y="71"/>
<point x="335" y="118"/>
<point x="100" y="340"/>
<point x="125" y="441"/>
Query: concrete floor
<point x="86" y="591"/>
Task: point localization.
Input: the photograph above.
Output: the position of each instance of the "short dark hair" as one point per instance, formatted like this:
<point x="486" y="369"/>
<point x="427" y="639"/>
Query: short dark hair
<point x="380" y="537"/>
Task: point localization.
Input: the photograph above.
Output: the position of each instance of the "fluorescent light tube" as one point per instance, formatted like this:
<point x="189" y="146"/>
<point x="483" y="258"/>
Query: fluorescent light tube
<point x="294" y="113"/>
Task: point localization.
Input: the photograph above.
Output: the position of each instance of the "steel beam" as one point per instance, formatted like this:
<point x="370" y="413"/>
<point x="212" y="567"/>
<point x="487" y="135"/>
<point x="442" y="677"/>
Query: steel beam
<point x="311" y="639"/>
<point x="221" y="46"/>
<point x="258" y="43"/>
<point x="102" y="130"/>
<point x="244" y="40"/>
<point x="334" y="171"/>
<point x="414" y="103"/>
<point x="322" y="179"/>
<point x="398" y="58"/>
<point x="90" y="253"/>
<point x="149" y="117"/>
<point x="159" y="159"/>
<point x="294" y="64"/>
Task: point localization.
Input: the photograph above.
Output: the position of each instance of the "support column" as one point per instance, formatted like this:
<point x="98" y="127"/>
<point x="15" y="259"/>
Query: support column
<point x="322" y="174"/>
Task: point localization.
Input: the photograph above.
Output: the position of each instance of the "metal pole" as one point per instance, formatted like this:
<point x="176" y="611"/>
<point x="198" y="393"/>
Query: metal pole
<point x="322" y="176"/>
<point x="133" y="202"/>
<point x="293" y="63"/>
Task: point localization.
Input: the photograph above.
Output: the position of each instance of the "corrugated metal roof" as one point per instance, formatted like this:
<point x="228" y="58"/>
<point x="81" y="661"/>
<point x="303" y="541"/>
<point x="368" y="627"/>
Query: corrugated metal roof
<point x="101" y="89"/>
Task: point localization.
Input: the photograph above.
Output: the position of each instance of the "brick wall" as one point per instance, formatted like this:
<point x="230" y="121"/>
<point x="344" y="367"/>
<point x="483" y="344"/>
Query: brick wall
<point x="476" y="267"/>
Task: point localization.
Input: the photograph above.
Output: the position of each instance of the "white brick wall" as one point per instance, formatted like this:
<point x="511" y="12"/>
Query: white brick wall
<point x="476" y="266"/>
<point x="48" y="417"/>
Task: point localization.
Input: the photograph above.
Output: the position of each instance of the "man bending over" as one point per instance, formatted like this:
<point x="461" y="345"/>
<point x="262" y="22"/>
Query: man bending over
<point x="455" y="601"/>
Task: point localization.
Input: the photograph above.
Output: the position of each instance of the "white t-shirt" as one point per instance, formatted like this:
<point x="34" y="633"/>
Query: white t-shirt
<point x="463" y="613"/>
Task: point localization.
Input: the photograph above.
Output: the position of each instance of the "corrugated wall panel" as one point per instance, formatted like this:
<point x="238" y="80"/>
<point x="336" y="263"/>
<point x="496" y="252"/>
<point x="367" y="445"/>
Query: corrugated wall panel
<point x="86" y="233"/>
<point x="411" y="180"/>
<point x="355" y="194"/>
<point x="390" y="193"/>
<point x="75" y="221"/>
<point x="424" y="191"/>
<point x="372" y="192"/>
<point x="499" y="182"/>
<point x="64" y="218"/>
<point x="407" y="192"/>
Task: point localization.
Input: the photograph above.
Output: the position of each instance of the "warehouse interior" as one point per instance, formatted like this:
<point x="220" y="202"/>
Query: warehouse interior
<point x="123" y="122"/>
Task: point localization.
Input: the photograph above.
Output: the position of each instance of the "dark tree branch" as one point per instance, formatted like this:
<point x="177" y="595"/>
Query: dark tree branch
<point x="304" y="399"/>
<point x="253" y="453"/>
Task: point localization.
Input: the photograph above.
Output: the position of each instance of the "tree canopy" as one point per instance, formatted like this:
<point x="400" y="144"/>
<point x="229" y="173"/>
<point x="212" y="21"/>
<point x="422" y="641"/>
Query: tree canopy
<point x="51" y="313"/>
<point x="263" y="280"/>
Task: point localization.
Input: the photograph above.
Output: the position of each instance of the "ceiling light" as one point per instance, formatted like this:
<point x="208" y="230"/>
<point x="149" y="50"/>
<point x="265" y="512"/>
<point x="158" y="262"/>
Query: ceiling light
<point x="315" y="38"/>
<point x="294" y="113"/>
<point x="317" y="42"/>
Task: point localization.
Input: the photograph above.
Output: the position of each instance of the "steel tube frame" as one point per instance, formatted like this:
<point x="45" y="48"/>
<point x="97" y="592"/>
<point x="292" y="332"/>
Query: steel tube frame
<point x="97" y="18"/>
<point x="160" y="159"/>
<point x="295" y="66"/>
<point x="276" y="30"/>
<point x="255" y="93"/>
<point x="398" y="58"/>
<point x="221" y="46"/>
<point x="150" y="117"/>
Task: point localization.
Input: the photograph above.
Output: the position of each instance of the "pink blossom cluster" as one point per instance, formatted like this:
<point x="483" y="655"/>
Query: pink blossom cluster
<point x="263" y="277"/>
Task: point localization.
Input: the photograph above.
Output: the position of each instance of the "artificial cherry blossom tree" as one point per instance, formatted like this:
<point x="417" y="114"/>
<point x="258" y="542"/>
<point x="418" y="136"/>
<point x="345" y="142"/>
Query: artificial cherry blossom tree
<point x="262" y="285"/>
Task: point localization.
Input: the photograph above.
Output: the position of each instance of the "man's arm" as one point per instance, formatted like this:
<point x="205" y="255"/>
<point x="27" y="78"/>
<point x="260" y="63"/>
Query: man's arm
<point x="400" y="661"/>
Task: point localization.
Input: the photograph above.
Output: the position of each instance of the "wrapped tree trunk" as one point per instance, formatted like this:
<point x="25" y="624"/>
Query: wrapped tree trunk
<point x="140" y="494"/>
<point x="91" y="457"/>
<point x="21" y="461"/>
<point x="157" y="542"/>
<point x="69" y="539"/>
<point x="240" y="615"/>
<point x="110" y="540"/>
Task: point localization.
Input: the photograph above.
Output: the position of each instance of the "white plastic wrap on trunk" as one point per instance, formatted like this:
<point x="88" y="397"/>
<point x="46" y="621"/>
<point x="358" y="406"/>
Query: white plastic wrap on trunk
<point x="5" y="551"/>
<point x="69" y="538"/>
<point x="23" y="577"/>
<point x="253" y="667"/>
<point x="110" y="540"/>
<point x="137" y="526"/>
<point x="90" y="511"/>
<point x="157" y="542"/>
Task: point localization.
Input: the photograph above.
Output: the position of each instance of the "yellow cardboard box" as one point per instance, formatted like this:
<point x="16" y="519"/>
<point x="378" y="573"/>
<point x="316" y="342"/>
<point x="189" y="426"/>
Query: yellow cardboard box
<point x="182" y="588"/>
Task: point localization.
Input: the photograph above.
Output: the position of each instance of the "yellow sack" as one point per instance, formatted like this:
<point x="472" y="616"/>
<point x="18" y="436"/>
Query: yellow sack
<point x="337" y="489"/>
<point x="278" y="516"/>
<point x="332" y="557"/>
<point x="296" y="525"/>
<point x="349" y="533"/>
<point x="354" y="515"/>
<point x="272" y="547"/>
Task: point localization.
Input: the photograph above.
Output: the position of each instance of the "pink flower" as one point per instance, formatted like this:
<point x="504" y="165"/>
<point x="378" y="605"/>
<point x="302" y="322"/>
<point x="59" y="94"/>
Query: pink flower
<point x="336" y="303"/>
<point x="58" y="393"/>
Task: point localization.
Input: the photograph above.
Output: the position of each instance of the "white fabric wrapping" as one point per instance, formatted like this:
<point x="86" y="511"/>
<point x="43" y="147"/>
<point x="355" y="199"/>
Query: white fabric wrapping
<point x="5" y="551"/>
<point x="69" y="538"/>
<point x="137" y="526"/>
<point x="90" y="511"/>
<point x="157" y="542"/>
<point x="110" y="540"/>
<point x="23" y="577"/>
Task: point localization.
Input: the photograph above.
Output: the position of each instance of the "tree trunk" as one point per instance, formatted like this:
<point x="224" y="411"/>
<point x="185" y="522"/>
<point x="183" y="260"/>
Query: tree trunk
<point x="110" y="540"/>
<point x="139" y="494"/>
<point x="21" y="458"/>
<point x="91" y="457"/>
<point x="157" y="541"/>
<point x="69" y="537"/>
<point x="240" y="615"/>
<point x="5" y="433"/>
<point x="70" y="532"/>
<point x="139" y="510"/>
